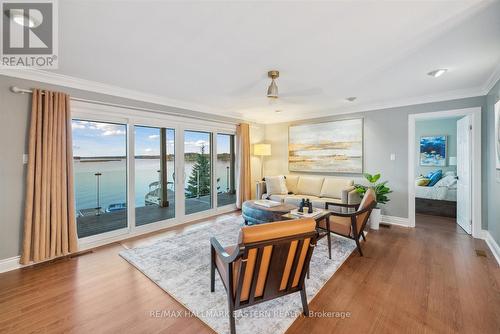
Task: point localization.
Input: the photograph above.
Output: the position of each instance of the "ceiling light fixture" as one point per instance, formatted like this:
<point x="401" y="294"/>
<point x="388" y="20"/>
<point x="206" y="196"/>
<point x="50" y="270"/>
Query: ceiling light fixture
<point x="438" y="72"/>
<point x="272" y="91"/>
<point x="277" y="110"/>
<point x="351" y="98"/>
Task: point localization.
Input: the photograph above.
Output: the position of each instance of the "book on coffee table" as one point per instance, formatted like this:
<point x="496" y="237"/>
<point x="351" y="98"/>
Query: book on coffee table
<point x="267" y="203"/>
<point x="316" y="213"/>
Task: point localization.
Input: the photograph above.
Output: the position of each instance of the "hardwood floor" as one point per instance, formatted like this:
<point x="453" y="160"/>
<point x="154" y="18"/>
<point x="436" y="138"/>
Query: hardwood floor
<point x="422" y="280"/>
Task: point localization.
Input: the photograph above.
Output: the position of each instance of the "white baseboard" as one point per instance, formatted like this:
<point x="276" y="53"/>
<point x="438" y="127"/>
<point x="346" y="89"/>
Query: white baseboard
<point x="393" y="220"/>
<point x="13" y="262"/>
<point x="492" y="244"/>
<point x="10" y="263"/>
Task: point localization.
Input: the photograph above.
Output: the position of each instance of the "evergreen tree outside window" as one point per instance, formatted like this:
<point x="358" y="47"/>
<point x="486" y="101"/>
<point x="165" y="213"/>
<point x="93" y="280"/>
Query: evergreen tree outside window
<point x="198" y="171"/>
<point x="199" y="180"/>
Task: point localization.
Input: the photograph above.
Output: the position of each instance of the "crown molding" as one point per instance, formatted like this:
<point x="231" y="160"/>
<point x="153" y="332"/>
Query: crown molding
<point x="102" y="88"/>
<point x="492" y="80"/>
<point x="400" y="103"/>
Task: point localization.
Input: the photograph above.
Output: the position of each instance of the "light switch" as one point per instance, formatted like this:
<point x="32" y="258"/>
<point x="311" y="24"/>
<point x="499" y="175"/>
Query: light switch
<point x="25" y="159"/>
<point x="393" y="156"/>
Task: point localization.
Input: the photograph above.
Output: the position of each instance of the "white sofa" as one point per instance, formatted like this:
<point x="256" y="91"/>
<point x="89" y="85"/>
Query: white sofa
<point x="318" y="189"/>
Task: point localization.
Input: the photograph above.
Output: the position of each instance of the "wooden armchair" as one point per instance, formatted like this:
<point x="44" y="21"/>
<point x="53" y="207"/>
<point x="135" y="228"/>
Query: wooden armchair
<point x="350" y="224"/>
<point x="270" y="261"/>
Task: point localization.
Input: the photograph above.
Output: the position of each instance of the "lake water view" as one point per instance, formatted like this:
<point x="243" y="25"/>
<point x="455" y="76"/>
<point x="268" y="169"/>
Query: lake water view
<point x="113" y="181"/>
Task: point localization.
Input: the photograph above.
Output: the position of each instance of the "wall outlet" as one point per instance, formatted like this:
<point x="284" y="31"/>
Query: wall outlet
<point x="25" y="159"/>
<point x="393" y="156"/>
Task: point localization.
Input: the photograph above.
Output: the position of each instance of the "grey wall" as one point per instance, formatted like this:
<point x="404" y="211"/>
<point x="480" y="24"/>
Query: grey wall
<point x="14" y="120"/>
<point x="385" y="132"/>
<point x="436" y="127"/>
<point x="492" y="185"/>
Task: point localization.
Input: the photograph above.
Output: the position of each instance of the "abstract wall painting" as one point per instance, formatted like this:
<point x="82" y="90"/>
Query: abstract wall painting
<point x="433" y="151"/>
<point x="331" y="147"/>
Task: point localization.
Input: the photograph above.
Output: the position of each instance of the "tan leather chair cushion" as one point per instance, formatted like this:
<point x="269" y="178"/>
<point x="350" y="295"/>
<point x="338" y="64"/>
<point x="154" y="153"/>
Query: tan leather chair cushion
<point x="255" y="233"/>
<point x="269" y="231"/>
<point x="340" y="225"/>
<point x="368" y="199"/>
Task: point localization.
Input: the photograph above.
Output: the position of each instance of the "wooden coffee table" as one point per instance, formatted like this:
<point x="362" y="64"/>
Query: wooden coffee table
<point x="258" y="214"/>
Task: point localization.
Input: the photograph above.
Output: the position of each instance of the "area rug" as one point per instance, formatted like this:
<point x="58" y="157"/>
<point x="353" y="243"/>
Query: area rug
<point x="180" y="265"/>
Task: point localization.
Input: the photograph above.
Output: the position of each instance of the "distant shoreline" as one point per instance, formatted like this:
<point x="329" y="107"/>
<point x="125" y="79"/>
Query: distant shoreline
<point x="190" y="157"/>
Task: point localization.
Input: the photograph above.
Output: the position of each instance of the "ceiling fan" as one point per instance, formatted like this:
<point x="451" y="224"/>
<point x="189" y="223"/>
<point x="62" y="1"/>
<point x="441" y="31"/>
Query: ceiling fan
<point x="272" y="90"/>
<point x="273" y="96"/>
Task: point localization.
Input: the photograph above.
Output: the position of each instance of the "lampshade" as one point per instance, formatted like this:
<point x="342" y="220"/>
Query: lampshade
<point x="452" y="161"/>
<point x="262" y="149"/>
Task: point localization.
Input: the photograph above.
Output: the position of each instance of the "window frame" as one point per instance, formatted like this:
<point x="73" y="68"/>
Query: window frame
<point x="131" y="118"/>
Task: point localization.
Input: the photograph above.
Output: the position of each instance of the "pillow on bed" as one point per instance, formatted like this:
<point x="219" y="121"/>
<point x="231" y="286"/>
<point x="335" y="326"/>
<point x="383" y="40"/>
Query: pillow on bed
<point x="446" y="181"/>
<point x="422" y="181"/>
<point x="435" y="178"/>
<point x="276" y="185"/>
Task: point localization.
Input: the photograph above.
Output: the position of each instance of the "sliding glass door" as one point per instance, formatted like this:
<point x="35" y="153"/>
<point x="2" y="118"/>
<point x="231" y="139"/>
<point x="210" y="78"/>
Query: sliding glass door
<point x="226" y="188"/>
<point x="100" y="176"/>
<point x="154" y="174"/>
<point x="125" y="173"/>
<point x="198" y="171"/>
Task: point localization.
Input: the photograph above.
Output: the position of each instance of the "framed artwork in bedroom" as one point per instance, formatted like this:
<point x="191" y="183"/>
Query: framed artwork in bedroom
<point x="433" y="151"/>
<point x="497" y="133"/>
<point x="329" y="147"/>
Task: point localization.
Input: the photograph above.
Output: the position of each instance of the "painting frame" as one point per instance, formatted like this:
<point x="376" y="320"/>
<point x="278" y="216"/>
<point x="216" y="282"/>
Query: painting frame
<point x="497" y="134"/>
<point x="328" y="164"/>
<point x="433" y="142"/>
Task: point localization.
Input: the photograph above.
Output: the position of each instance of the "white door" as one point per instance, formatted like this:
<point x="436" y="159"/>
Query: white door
<point x="464" y="163"/>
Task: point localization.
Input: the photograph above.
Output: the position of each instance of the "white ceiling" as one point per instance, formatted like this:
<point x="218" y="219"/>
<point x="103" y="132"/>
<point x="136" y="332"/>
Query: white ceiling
<point x="214" y="56"/>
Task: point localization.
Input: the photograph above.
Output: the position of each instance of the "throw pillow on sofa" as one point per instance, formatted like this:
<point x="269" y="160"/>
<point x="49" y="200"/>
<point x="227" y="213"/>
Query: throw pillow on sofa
<point x="291" y="183"/>
<point x="310" y="185"/>
<point x="276" y="185"/>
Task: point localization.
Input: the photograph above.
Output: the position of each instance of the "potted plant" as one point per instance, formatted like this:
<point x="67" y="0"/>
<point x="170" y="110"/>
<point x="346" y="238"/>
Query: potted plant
<point x="381" y="192"/>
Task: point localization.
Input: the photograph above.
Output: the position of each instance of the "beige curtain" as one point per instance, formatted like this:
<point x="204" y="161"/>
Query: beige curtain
<point x="49" y="215"/>
<point x="243" y="164"/>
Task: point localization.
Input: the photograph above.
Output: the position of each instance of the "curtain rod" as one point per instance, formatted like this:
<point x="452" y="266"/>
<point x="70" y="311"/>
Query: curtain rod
<point x="17" y="90"/>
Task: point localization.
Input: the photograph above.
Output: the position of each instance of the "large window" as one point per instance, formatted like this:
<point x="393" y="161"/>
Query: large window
<point x="226" y="191"/>
<point x="125" y="171"/>
<point x="198" y="171"/>
<point x="100" y="176"/>
<point x="154" y="174"/>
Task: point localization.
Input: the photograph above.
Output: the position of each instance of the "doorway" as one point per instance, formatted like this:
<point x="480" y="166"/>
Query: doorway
<point x="444" y="171"/>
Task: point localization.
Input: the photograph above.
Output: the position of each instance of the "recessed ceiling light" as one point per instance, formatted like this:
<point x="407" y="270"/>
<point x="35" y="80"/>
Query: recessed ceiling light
<point x="277" y="111"/>
<point x="351" y="98"/>
<point x="437" y="73"/>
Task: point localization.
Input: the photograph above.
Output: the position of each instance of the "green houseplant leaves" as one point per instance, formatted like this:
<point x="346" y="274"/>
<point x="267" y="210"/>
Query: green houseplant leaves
<point x="381" y="189"/>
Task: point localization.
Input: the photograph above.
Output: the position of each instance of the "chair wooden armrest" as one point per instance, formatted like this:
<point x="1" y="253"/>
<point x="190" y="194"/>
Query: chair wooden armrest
<point x="350" y="214"/>
<point x="223" y="255"/>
